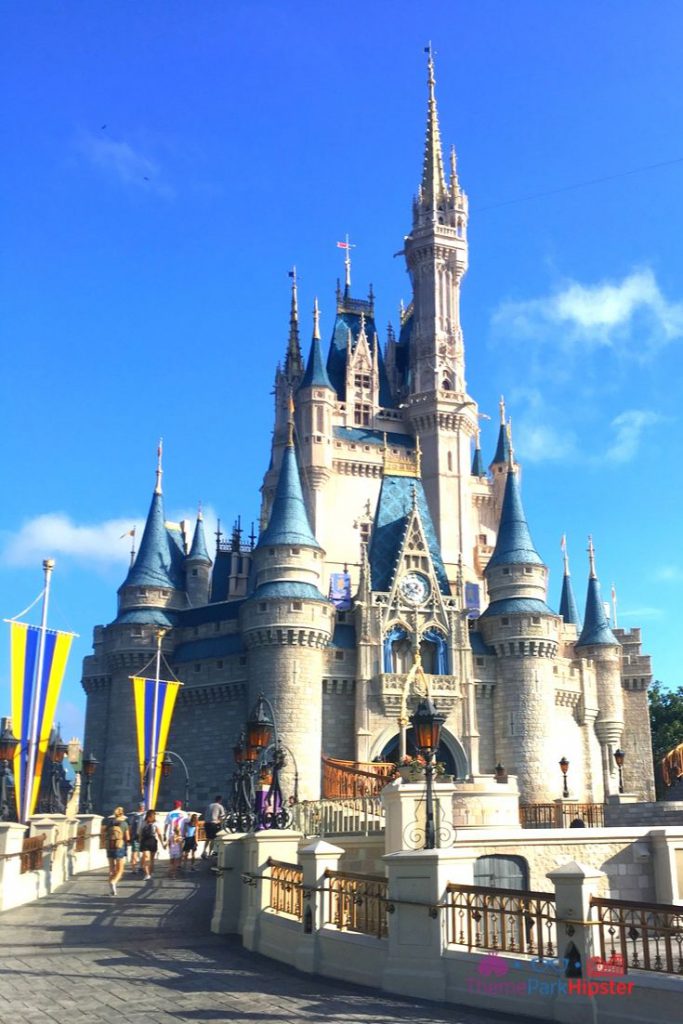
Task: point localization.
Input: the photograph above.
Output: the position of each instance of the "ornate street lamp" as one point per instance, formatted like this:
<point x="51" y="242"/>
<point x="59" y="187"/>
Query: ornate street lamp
<point x="89" y="765"/>
<point x="427" y="723"/>
<point x="260" y="724"/>
<point x="8" y="745"/>
<point x="167" y="768"/>
<point x="258" y="755"/>
<point x="501" y="774"/>
<point x="564" y="768"/>
<point x="620" y="757"/>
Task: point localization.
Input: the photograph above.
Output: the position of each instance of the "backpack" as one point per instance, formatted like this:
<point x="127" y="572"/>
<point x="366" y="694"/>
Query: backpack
<point x="135" y="822"/>
<point x="147" y="832"/>
<point x="115" y="836"/>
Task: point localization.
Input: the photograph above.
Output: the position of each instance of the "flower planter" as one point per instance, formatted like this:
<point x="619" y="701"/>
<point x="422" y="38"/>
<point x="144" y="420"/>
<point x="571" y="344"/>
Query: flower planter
<point x="411" y="774"/>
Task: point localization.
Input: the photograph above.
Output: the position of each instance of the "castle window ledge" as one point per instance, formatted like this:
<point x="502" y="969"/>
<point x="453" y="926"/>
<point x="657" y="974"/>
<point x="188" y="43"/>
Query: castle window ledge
<point x="394" y="682"/>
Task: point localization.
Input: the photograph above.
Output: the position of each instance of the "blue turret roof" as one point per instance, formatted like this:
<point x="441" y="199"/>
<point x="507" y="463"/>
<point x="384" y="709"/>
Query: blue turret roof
<point x="349" y="319"/>
<point x="288" y="522"/>
<point x="478" y="463"/>
<point x="568" y="608"/>
<point x="316" y="374"/>
<point x="503" y="446"/>
<point x="391" y="519"/>
<point x="596" y="629"/>
<point x="159" y="560"/>
<point x="514" y="544"/>
<point x="199" y="551"/>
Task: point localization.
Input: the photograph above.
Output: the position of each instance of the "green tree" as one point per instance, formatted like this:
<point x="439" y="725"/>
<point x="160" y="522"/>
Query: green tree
<point x="666" y="720"/>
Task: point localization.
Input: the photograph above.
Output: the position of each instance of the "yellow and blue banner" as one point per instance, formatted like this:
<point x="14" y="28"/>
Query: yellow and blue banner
<point x="150" y="696"/>
<point x="34" y="702"/>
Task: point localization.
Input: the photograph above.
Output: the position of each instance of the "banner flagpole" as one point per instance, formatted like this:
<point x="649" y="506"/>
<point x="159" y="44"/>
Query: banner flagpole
<point x="151" y="775"/>
<point x="48" y="566"/>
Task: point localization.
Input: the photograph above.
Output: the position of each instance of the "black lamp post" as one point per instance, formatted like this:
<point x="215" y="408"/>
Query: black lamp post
<point x="89" y="768"/>
<point x="427" y="724"/>
<point x="564" y="768"/>
<point x="501" y="774"/>
<point x="54" y="800"/>
<point x="8" y="745"/>
<point x="258" y="753"/>
<point x="167" y="768"/>
<point x="620" y="757"/>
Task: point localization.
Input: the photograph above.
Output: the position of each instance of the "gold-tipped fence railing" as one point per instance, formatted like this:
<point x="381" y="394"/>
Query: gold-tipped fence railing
<point x="32" y="853"/>
<point x="561" y="815"/>
<point x="354" y="778"/>
<point x="504" y="920"/>
<point x="640" y="936"/>
<point x="357" y="903"/>
<point x="286" y="894"/>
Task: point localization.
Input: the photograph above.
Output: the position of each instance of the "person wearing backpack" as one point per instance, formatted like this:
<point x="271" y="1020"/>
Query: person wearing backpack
<point x="135" y="822"/>
<point x="117" y="835"/>
<point x="150" y="837"/>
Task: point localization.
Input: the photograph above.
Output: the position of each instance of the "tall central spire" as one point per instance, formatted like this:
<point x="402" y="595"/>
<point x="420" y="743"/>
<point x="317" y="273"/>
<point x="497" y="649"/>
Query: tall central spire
<point x="433" y="188"/>
<point x="293" y="360"/>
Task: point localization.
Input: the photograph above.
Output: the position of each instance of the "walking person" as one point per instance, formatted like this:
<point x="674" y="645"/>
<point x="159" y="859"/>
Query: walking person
<point x="213" y="816"/>
<point x="135" y="821"/>
<point x="150" y="837"/>
<point x="190" y="840"/>
<point x="117" y="835"/>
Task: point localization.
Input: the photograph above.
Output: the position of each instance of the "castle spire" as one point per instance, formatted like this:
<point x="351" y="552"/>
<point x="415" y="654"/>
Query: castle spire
<point x="160" y="472"/>
<point x="199" y="551"/>
<point x="316" y="375"/>
<point x="596" y="628"/>
<point x="477" y="461"/>
<point x="288" y="523"/>
<point x="157" y="563"/>
<point x="514" y="544"/>
<point x="433" y="187"/>
<point x="568" y="607"/>
<point x="502" y="455"/>
<point x="293" y="360"/>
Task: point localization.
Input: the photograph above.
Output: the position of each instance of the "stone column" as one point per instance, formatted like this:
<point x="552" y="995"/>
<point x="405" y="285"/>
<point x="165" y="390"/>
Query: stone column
<point x="92" y="856"/>
<point x="229" y="887"/>
<point x="406" y="815"/>
<point x="667" y="849"/>
<point x="574" y="884"/>
<point x="259" y="847"/>
<point x="44" y="825"/>
<point x="315" y="860"/>
<point x="11" y="842"/>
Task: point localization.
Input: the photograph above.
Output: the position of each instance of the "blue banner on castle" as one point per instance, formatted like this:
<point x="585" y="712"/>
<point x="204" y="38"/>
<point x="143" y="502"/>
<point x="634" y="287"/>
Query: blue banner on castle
<point x="472" y="600"/>
<point x="340" y="590"/>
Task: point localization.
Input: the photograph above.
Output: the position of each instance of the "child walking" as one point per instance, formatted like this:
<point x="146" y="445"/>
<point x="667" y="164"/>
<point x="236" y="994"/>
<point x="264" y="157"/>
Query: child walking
<point x="175" y="849"/>
<point x="190" y="841"/>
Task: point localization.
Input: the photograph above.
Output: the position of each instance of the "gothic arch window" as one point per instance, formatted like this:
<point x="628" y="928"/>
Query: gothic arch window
<point x="446" y="385"/>
<point x="434" y="652"/>
<point x="401" y="655"/>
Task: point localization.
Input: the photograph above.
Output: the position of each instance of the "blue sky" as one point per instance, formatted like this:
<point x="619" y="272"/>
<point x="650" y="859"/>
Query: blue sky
<point x="165" y="163"/>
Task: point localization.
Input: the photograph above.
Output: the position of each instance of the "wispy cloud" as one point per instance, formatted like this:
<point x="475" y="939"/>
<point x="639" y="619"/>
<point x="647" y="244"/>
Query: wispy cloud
<point x="646" y="612"/>
<point x="536" y="437"/>
<point x="97" y="545"/>
<point x="632" y="313"/>
<point x="668" y="574"/>
<point x="628" y="428"/>
<point x="123" y="163"/>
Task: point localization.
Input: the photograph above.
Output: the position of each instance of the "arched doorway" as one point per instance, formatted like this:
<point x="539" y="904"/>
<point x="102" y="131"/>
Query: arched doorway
<point x="450" y="752"/>
<point x="501" y="872"/>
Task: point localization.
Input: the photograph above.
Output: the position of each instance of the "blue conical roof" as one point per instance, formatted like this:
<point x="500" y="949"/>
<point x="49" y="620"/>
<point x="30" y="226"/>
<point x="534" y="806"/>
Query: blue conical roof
<point x="477" y="463"/>
<point x="596" y="629"/>
<point x="514" y="544"/>
<point x="503" y="446"/>
<point x="288" y="522"/>
<point x="316" y="375"/>
<point x="156" y="564"/>
<point x="568" y="608"/>
<point x="199" y="551"/>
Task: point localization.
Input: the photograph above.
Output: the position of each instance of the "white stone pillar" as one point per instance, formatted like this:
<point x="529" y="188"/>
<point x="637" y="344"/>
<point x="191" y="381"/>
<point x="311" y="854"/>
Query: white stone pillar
<point x="229" y="887"/>
<point x="574" y="884"/>
<point x="92" y="856"/>
<point x="44" y="825"/>
<point x="405" y="804"/>
<point x="281" y="845"/>
<point x="11" y="842"/>
<point x="667" y="850"/>
<point x="315" y="860"/>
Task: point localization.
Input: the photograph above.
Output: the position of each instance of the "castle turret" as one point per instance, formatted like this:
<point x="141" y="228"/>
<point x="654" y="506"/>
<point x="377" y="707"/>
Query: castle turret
<point x="501" y="458"/>
<point x="568" y="607"/>
<point x="315" y="407"/>
<point x="524" y="633"/>
<point x="598" y="643"/>
<point x="437" y="405"/>
<point x="198" y="567"/>
<point x="477" y="461"/>
<point x="287" y="624"/>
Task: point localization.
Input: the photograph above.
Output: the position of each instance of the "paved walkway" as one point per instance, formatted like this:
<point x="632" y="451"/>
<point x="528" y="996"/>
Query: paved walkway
<point x="148" y="957"/>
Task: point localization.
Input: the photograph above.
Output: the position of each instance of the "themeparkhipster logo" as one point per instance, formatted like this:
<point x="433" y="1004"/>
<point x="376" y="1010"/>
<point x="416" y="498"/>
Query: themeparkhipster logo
<point x="494" y="978"/>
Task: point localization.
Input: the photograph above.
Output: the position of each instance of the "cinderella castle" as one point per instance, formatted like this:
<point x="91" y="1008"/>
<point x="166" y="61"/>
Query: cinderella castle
<point x="385" y="544"/>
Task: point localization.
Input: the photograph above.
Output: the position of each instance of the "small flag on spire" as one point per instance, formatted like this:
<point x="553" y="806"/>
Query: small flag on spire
<point x="128" y="533"/>
<point x="563" y="543"/>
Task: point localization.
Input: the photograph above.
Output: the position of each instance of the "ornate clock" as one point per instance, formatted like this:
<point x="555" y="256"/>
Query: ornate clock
<point x="414" y="588"/>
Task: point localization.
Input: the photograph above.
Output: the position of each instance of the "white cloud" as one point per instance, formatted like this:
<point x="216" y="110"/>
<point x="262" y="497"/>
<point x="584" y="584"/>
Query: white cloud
<point x="119" y="160"/>
<point x="535" y="438"/>
<point x="632" y="313"/>
<point x="55" y="534"/>
<point x="628" y="428"/>
<point x="668" y="574"/>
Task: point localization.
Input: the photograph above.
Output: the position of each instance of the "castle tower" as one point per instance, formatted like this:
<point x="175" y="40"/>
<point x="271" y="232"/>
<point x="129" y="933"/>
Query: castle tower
<point x="287" y="624"/>
<point x="568" y="607"/>
<point x="315" y="401"/>
<point x="598" y="643"/>
<point x="438" y="406"/>
<point x="501" y="459"/>
<point x="523" y="631"/>
<point x="148" y="600"/>
<point x="198" y="567"/>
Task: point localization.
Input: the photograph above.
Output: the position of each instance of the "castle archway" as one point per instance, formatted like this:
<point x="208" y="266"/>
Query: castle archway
<point x="451" y="752"/>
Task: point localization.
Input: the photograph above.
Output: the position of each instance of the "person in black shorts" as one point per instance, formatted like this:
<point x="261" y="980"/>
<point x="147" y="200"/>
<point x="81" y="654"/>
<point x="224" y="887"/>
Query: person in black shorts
<point x="150" y="837"/>
<point x="213" y="816"/>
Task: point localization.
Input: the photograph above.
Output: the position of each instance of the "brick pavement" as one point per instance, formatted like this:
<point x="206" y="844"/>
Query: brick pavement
<point x="148" y="957"/>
